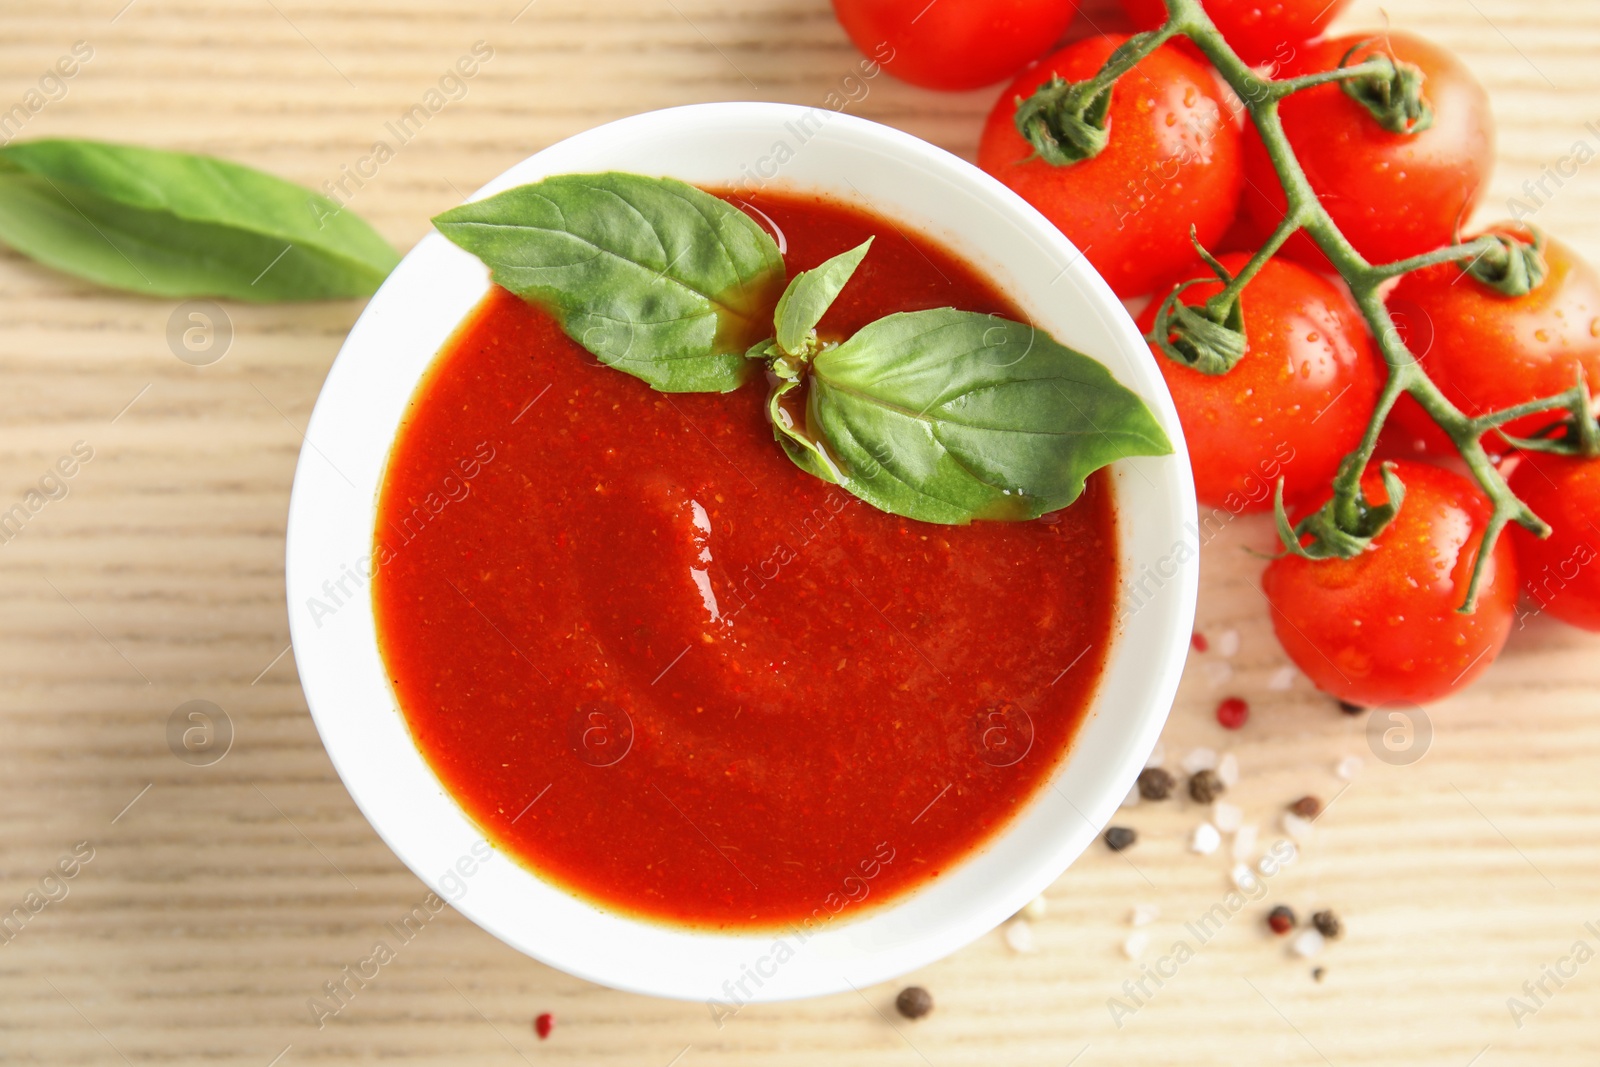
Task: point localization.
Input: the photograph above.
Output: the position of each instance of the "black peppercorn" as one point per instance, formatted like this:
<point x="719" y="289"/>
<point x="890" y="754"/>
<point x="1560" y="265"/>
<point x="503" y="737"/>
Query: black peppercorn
<point x="1327" y="924"/>
<point x="1120" y="837"/>
<point x="914" y="1002"/>
<point x="1206" y="786"/>
<point x="1155" y="784"/>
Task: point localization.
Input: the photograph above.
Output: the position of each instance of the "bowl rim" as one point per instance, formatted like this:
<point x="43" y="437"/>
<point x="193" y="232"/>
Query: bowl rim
<point x="863" y="950"/>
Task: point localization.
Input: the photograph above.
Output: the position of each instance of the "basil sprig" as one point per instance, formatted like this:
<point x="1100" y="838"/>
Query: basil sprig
<point x="174" y="224"/>
<point x="653" y="276"/>
<point x="941" y="415"/>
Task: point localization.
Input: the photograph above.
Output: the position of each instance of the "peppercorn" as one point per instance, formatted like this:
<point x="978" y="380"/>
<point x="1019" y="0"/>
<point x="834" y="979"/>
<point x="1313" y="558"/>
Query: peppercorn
<point x="914" y="1002"/>
<point x="1232" y="713"/>
<point x="1350" y="708"/>
<point x="543" y="1024"/>
<point x="1327" y="924"/>
<point x="1318" y="972"/>
<point x="1206" y="786"/>
<point x="1155" y="783"/>
<point x="1120" y="837"/>
<point x="1281" y="920"/>
<point x="1307" y="807"/>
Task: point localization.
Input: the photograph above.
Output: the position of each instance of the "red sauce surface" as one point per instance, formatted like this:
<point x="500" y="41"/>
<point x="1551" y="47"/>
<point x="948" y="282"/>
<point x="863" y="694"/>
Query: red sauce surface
<point x="869" y="699"/>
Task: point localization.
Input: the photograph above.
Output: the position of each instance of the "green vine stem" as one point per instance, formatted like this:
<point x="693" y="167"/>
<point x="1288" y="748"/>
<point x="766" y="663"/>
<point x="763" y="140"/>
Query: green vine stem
<point x="1346" y="525"/>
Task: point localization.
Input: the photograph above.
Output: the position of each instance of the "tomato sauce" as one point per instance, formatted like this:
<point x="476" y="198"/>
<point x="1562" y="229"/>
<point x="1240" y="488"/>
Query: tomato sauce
<point x="670" y="672"/>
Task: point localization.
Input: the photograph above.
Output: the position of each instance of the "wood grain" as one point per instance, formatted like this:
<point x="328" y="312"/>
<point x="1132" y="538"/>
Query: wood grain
<point x="224" y="897"/>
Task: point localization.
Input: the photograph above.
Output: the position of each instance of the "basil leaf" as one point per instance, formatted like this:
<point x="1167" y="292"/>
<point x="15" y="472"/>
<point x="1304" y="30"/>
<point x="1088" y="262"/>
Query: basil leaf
<point x="948" y="416"/>
<point x="809" y="296"/>
<point x="655" y="277"/>
<point x="174" y="224"/>
<point x="802" y="449"/>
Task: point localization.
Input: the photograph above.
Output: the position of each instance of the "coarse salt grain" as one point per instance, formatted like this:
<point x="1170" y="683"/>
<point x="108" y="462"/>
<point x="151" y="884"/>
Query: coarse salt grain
<point x="1134" y="944"/>
<point x="1282" y="679"/>
<point x="1035" y="908"/>
<point x="1019" y="936"/>
<point x="1308" y="942"/>
<point x="1143" y="914"/>
<point x="1132" y="798"/>
<point x="1205" y="839"/>
<point x="1296" y="827"/>
<point x="1349" y="767"/>
<point x="1218" y="673"/>
<point x="1244" y="842"/>
<point x="1199" y="759"/>
<point x="1228" y="770"/>
<point x="1226" y="817"/>
<point x="1158" y="755"/>
<point x="1228" y="643"/>
<point x="1244" y="878"/>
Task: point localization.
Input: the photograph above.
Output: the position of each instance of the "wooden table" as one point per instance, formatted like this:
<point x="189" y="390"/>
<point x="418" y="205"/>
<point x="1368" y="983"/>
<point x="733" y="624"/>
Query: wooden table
<point x="220" y="898"/>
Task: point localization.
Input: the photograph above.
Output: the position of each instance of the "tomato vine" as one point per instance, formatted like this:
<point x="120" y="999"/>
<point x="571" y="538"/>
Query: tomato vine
<point x="1065" y="123"/>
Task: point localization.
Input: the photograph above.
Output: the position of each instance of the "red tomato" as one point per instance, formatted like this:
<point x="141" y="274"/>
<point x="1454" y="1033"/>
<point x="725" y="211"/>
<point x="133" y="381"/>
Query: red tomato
<point x="1172" y="160"/>
<point x="1487" y="351"/>
<point x="1293" y="406"/>
<point x="958" y="44"/>
<point x="1259" y="30"/>
<point x="1559" y="573"/>
<point x="1383" y="626"/>
<point x="1391" y="194"/>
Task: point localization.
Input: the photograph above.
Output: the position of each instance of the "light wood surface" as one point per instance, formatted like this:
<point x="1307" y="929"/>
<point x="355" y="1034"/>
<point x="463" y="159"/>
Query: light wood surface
<point x="225" y="896"/>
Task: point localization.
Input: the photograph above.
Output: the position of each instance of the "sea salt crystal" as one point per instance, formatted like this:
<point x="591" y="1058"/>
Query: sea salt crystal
<point x="1228" y="643"/>
<point x="1244" y="878"/>
<point x="1308" y="942"/>
<point x="1132" y="798"/>
<point x="1226" y="817"/>
<point x="1035" y="908"/>
<point x="1228" y="770"/>
<point x="1134" y="944"/>
<point x="1205" y="839"/>
<point x="1282" y="679"/>
<point x="1297" y="828"/>
<point x="1143" y="914"/>
<point x="1199" y="759"/>
<point x="1349" y="767"/>
<point x="1218" y="673"/>
<point x="1244" y="842"/>
<point x="1019" y="936"/>
<point x="1158" y="755"/>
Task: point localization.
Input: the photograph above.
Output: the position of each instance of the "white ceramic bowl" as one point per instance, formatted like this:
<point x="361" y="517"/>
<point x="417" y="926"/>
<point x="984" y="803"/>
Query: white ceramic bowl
<point x="331" y="519"/>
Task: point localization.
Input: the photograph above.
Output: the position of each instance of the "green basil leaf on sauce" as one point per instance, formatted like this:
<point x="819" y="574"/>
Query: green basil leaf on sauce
<point x="174" y="224"/>
<point x="948" y="416"/>
<point x="653" y="276"/>
<point x="809" y="296"/>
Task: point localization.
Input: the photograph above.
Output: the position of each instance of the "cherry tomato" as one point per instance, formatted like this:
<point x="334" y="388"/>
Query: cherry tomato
<point x="1172" y="160"/>
<point x="1293" y="406"/>
<point x="1391" y="194"/>
<point x="1560" y="573"/>
<point x="1259" y="30"/>
<point x="958" y="44"/>
<point x="1383" y="626"/>
<point x="1487" y="351"/>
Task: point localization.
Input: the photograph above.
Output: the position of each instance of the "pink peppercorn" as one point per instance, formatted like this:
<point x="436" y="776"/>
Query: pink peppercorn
<point x="1233" y="713"/>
